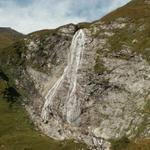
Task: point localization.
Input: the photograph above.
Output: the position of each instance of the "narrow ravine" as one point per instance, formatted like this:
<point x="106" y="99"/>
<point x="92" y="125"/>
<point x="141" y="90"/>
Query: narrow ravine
<point x="70" y="75"/>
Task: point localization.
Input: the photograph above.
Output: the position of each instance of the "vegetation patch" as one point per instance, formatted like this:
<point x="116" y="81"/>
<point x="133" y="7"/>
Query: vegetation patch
<point x="119" y="144"/>
<point x="126" y="144"/>
<point x="147" y="107"/>
<point x="99" y="67"/>
<point x="8" y="36"/>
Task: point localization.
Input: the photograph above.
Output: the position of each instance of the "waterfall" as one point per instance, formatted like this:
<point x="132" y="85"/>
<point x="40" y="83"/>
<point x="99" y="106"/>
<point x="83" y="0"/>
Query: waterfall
<point x="70" y="75"/>
<point x="77" y="48"/>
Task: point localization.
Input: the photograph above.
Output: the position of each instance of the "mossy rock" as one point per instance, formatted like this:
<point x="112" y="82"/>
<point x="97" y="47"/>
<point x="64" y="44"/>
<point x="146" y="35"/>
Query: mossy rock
<point x="99" y="67"/>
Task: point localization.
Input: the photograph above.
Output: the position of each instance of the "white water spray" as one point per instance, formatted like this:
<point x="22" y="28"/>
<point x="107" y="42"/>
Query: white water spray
<point x="70" y="75"/>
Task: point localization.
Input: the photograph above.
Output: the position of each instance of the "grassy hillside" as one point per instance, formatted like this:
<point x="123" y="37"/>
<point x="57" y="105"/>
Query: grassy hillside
<point x="8" y="36"/>
<point x="136" y="9"/>
<point x="125" y="144"/>
<point x="17" y="131"/>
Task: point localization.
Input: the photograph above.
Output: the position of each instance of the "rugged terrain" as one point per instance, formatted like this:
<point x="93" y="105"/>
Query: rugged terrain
<point x="89" y="82"/>
<point x="16" y="129"/>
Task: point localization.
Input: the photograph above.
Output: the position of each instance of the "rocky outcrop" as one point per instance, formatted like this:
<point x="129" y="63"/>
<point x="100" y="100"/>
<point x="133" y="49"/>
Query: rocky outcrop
<point x="107" y="101"/>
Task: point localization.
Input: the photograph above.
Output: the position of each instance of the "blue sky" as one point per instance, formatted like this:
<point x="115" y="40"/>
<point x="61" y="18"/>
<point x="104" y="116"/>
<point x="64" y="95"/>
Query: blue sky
<point x="30" y="15"/>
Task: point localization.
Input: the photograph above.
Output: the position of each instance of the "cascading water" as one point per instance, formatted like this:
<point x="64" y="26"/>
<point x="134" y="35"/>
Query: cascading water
<point x="70" y="75"/>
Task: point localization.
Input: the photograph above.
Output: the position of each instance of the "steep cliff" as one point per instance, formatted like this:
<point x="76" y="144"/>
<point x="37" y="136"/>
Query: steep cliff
<point x="89" y="82"/>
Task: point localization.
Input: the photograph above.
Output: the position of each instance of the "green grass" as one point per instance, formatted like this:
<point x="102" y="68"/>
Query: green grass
<point x="140" y="144"/>
<point x="125" y="144"/>
<point x="17" y="132"/>
<point x="119" y="144"/>
<point x="136" y="9"/>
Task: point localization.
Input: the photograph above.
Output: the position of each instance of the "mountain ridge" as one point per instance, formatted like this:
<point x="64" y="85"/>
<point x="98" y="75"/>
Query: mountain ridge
<point x="8" y="36"/>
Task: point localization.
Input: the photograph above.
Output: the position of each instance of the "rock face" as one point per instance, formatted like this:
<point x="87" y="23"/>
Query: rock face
<point x="67" y="84"/>
<point x="90" y="82"/>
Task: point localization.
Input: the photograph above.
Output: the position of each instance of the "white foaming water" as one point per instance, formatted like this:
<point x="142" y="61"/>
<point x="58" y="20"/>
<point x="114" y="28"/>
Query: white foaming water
<point x="70" y="75"/>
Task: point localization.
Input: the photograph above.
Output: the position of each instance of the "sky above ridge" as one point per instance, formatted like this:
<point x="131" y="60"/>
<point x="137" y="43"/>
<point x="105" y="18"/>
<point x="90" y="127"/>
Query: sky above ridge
<point x="30" y="15"/>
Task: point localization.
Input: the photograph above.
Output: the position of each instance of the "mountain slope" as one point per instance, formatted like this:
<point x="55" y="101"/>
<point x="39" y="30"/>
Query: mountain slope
<point x="15" y="126"/>
<point x="17" y="130"/>
<point x="90" y="81"/>
<point x="8" y="36"/>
